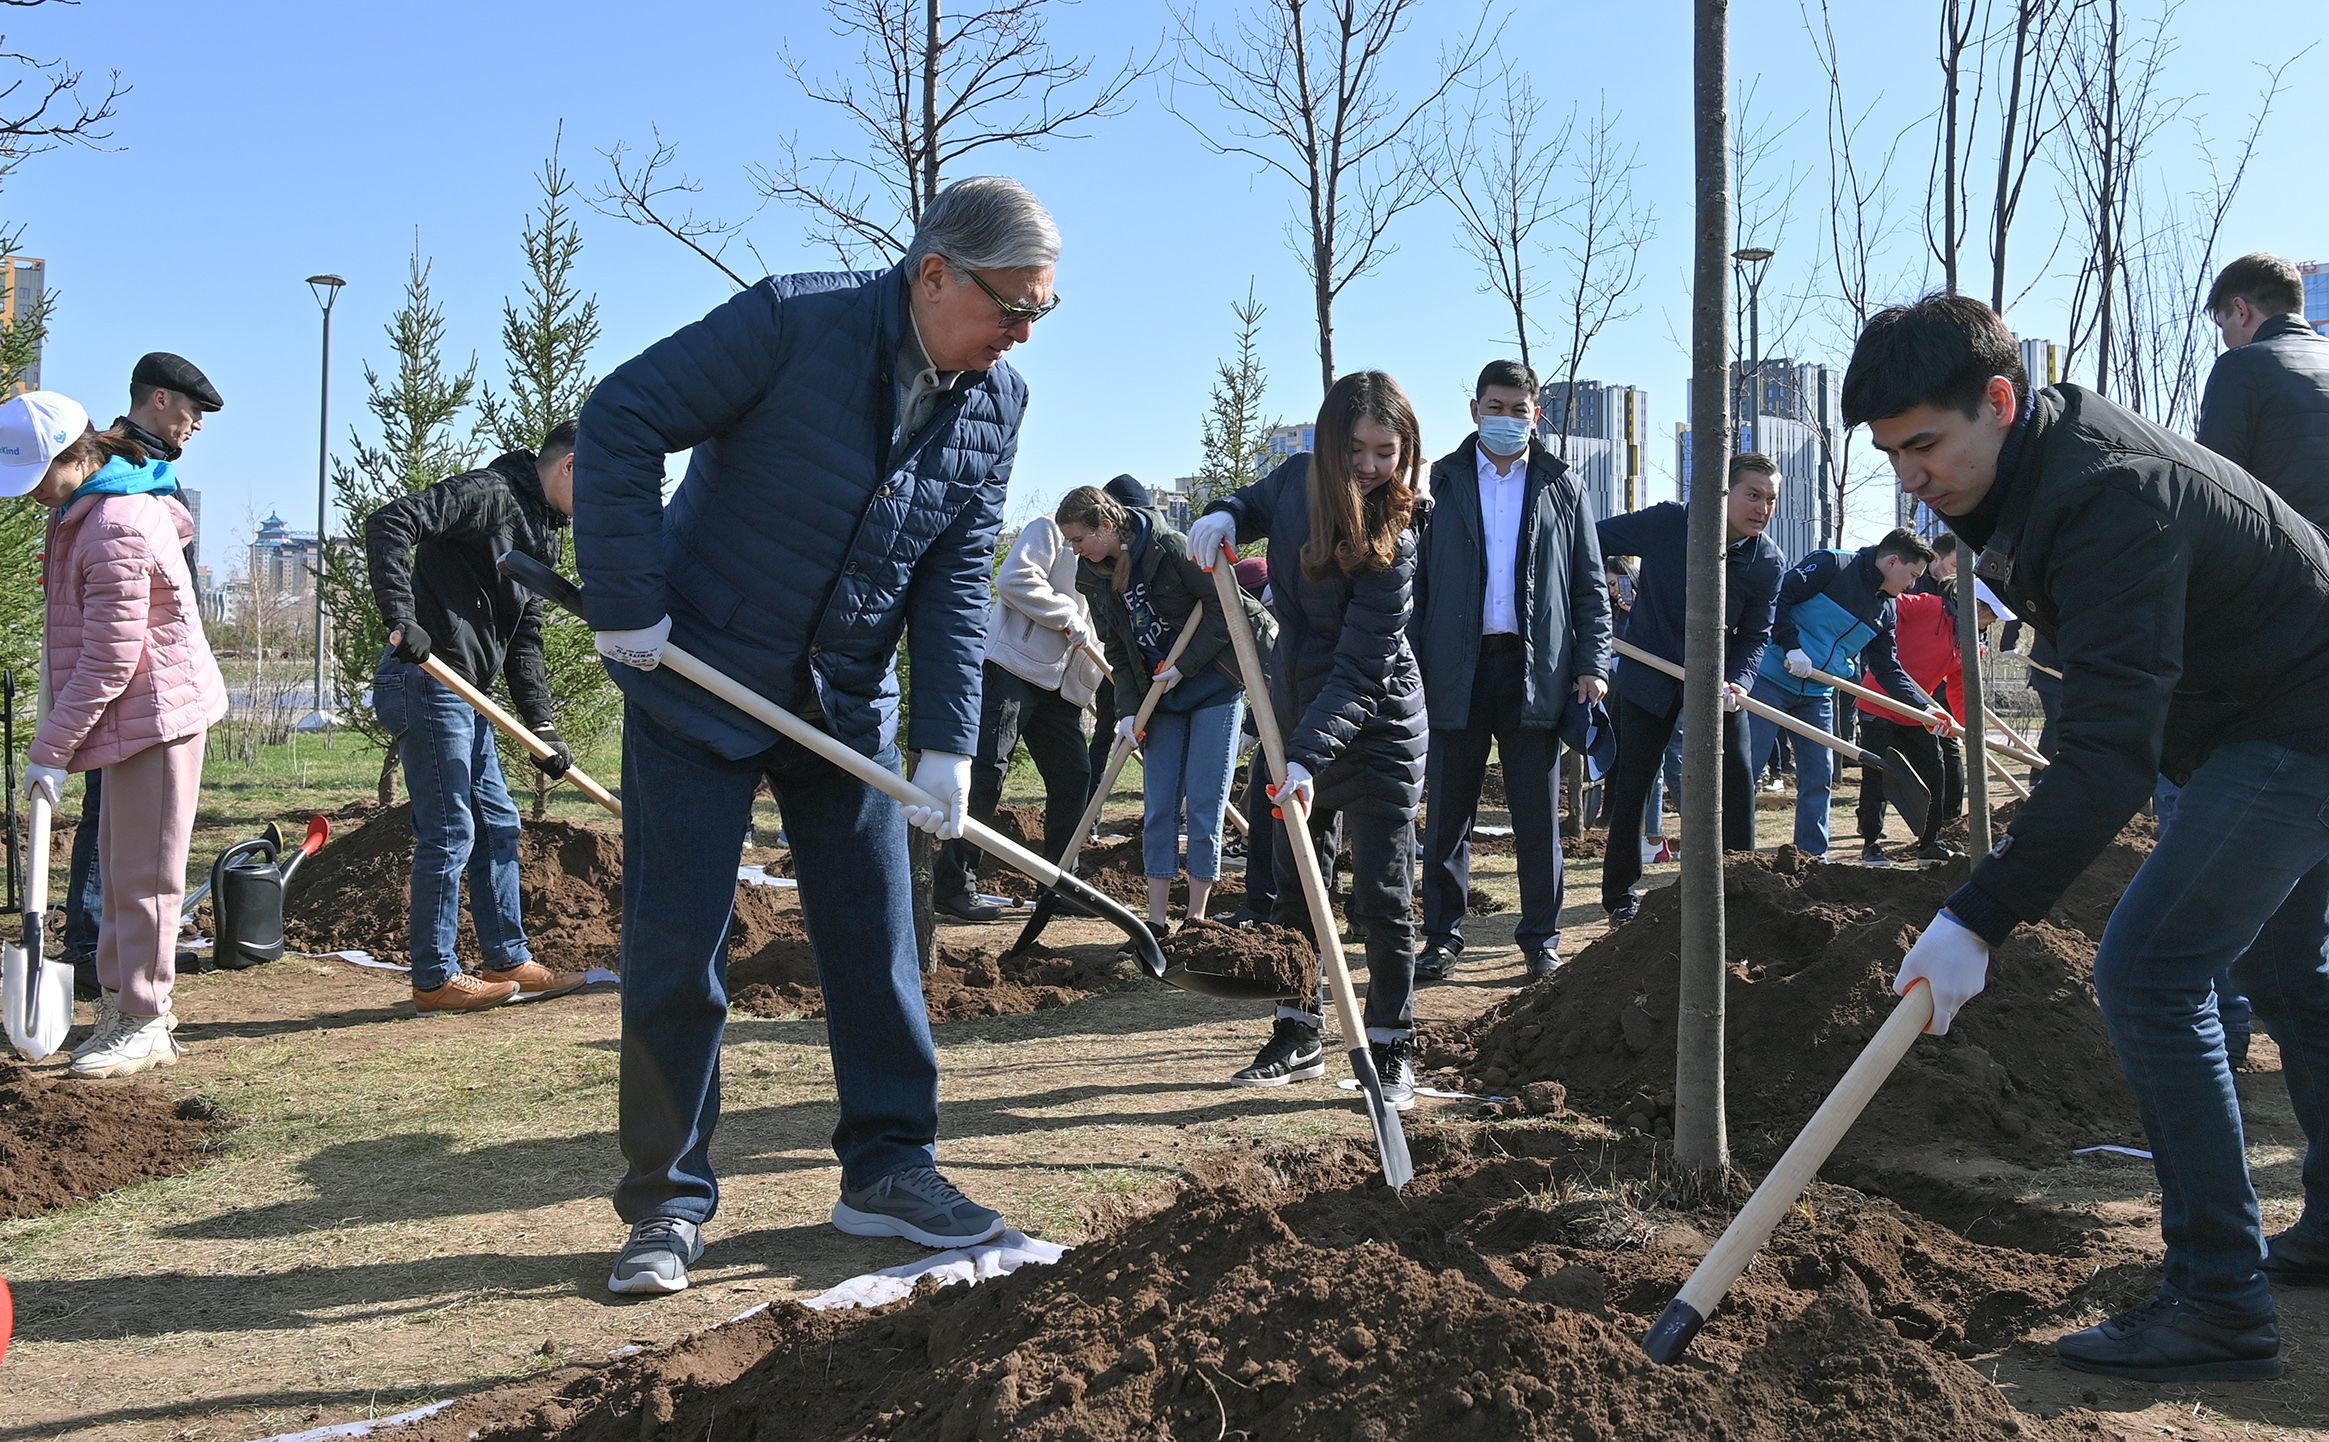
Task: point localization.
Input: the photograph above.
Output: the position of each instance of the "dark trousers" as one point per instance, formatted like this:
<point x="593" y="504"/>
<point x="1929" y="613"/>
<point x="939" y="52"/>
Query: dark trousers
<point x="1641" y="747"/>
<point x="85" y="883"/>
<point x="1453" y="771"/>
<point x="1923" y="751"/>
<point x="683" y="835"/>
<point x="1103" y="738"/>
<point x="1261" y="844"/>
<point x="1382" y="907"/>
<point x="1014" y="709"/>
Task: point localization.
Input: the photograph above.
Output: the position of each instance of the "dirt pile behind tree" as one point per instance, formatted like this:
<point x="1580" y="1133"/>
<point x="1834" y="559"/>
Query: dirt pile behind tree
<point x="1501" y="1296"/>
<point x="356" y="893"/>
<point x="2025" y="1074"/>
<point x="63" y="1142"/>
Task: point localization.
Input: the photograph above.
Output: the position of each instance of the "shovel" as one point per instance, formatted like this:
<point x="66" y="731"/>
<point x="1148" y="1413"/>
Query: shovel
<point x="516" y="730"/>
<point x="2007" y="748"/>
<point x="1901" y="786"/>
<point x="1669" y="1337"/>
<point x="535" y="576"/>
<point x="36" y="993"/>
<point x="1390" y="1136"/>
<point x="1049" y="905"/>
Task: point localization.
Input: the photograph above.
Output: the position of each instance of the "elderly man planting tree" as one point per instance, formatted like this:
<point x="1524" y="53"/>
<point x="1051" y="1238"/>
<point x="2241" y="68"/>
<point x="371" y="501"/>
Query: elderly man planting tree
<point x="2190" y="606"/>
<point x="852" y="437"/>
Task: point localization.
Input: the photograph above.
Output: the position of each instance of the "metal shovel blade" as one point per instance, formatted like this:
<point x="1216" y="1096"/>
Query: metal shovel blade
<point x="1222" y="986"/>
<point x="1904" y="790"/>
<point x="37" y="995"/>
<point x="1390" y="1135"/>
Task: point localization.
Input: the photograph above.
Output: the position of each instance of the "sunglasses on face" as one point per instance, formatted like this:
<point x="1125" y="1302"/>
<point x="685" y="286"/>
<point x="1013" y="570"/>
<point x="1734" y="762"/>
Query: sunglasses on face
<point x="1013" y="312"/>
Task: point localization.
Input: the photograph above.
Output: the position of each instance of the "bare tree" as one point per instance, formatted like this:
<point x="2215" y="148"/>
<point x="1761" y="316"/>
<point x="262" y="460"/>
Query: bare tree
<point x="1608" y="226"/>
<point x="1497" y="173"/>
<point x="2116" y="108"/>
<point x="2029" y="120"/>
<point x="1956" y="122"/>
<point x="1313" y="103"/>
<point x="930" y="89"/>
<point x="1701" y="1139"/>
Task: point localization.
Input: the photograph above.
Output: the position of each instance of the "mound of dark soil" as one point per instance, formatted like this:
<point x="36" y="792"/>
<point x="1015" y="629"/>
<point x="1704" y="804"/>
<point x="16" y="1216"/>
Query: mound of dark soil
<point x="63" y="1142"/>
<point x="1502" y="1296"/>
<point x="1274" y="955"/>
<point x="772" y="969"/>
<point x="356" y="893"/>
<point x="2026" y="1073"/>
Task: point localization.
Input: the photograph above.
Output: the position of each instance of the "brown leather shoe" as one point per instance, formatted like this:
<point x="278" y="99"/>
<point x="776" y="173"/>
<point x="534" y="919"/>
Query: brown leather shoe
<point x="534" y="979"/>
<point x="463" y="993"/>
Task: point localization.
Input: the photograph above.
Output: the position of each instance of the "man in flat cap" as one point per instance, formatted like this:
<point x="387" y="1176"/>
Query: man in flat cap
<point x="168" y="398"/>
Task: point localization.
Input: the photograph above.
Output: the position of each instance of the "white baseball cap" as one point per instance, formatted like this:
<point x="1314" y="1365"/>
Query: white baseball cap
<point x="33" y="428"/>
<point x="1987" y="597"/>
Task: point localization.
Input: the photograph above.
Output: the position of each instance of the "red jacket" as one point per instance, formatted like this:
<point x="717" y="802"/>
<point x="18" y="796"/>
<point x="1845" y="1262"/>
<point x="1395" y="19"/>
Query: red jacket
<point x="1926" y="636"/>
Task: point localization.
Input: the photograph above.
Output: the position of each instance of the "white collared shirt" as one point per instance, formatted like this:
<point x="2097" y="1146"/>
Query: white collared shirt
<point x="1500" y="500"/>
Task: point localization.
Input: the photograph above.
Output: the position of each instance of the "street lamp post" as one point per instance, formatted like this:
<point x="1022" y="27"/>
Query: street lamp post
<point x="1759" y="257"/>
<point x="327" y="290"/>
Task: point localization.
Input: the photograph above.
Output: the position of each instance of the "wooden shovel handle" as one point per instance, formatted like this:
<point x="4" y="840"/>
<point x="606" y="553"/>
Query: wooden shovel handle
<point x="1754" y="707"/>
<point x="1770" y="1204"/>
<point x="516" y="730"/>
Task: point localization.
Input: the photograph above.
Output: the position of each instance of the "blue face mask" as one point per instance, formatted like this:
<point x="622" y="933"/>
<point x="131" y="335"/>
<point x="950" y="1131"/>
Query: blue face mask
<point x="1504" y="435"/>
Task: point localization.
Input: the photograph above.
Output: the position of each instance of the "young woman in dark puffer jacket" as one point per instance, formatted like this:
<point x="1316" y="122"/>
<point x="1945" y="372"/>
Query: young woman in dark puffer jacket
<point x="1347" y="691"/>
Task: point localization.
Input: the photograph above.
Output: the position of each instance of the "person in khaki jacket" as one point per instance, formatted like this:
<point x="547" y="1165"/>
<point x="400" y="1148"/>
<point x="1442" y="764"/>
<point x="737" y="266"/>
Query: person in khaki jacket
<point x="1039" y="677"/>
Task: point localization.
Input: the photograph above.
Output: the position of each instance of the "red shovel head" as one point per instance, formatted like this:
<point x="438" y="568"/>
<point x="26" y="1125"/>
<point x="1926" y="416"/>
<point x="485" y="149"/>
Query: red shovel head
<point x="7" y="1319"/>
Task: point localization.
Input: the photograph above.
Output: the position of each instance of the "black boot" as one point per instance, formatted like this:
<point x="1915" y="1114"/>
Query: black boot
<point x="2297" y="1259"/>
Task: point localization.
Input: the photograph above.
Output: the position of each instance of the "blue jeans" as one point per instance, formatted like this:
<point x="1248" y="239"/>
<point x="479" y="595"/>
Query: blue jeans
<point x="1814" y="764"/>
<point x="2231" y="1004"/>
<point x="462" y="821"/>
<point x="85" y="882"/>
<point x="2243" y="873"/>
<point x="1187" y="756"/>
<point x="683" y="827"/>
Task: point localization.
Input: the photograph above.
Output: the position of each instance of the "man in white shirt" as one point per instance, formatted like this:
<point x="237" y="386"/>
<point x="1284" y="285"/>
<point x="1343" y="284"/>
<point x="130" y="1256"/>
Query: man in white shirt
<point x="1512" y="631"/>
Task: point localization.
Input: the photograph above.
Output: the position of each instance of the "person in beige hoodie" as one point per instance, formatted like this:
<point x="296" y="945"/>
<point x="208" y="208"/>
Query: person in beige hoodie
<point x="133" y="689"/>
<point x="1039" y="676"/>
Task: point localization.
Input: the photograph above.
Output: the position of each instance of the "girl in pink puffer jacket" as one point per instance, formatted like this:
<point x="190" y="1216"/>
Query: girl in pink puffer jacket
<point x="134" y="690"/>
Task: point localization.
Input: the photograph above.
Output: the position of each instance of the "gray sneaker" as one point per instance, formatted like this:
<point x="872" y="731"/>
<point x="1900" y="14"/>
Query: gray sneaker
<point x="918" y="1204"/>
<point x="654" y="1262"/>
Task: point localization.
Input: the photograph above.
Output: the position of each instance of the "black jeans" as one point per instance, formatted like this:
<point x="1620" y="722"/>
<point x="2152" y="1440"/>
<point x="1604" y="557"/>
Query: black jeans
<point x="1103" y="739"/>
<point x="1261" y="842"/>
<point x="1453" y="770"/>
<point x="1641" y="748"/>
<point x="1924" y="753"/>
<point x="1381" y="906"/>
<point x="1013" y="709"/>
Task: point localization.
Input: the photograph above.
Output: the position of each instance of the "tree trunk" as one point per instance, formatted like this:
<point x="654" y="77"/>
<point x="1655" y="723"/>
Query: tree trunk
<point x="2108" y="200"/>
<point x="932" y="55"/>
<point x="1701" y="1141"/>
<point x="1325" y="320"/>
<point x="2004" y="216"/>
<point x="1952" y="62"/>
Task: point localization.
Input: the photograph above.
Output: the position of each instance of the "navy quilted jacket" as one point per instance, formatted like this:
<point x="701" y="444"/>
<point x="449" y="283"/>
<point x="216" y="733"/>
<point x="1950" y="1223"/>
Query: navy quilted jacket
<point x="1343" y="680"/>
<point x="801" y="544"/>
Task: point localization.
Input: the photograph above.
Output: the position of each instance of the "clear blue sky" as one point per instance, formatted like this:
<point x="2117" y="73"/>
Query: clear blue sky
<point x="266" y="140"/>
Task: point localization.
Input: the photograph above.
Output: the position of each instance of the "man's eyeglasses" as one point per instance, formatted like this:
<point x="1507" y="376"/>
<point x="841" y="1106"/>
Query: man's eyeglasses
<point x="1013" y="312"/>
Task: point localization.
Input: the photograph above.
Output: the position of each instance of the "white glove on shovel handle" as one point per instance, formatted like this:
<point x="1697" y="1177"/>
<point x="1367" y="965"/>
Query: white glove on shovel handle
<point x="1954" y="960"/>
<point x="946" y="777"/>
<point x="642" y="649"/>
<point x="1210" y="533"/>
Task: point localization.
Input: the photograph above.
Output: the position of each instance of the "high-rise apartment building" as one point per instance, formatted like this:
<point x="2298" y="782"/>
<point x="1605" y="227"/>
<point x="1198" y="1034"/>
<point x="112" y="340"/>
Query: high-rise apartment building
<point x="1602" y="432"/>
<point x="1800" y="424"/>
<point x="22" y="279"/>
<point x="2316" y="277"/>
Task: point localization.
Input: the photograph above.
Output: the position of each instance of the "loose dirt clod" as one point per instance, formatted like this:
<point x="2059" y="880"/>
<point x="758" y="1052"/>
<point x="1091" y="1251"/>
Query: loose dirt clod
<point x="1275" y="956"/>
<point x="63" y="1142"/>
<point x="1502" y="1295"/>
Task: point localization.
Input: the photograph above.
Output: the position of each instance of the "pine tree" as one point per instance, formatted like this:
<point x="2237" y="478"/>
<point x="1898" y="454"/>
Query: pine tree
<point x="22" y="524"/>
<point x="549" y="335"/>
<point x="422" y="440"/>
<point x="1235" y="433"/>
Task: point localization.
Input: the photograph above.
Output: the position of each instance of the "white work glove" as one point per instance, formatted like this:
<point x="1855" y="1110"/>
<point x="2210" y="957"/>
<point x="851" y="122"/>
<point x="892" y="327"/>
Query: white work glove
<point x="1798" y="664"/>
<point x="1591" y="690"/>
<point x="946" y="777"/>
<point x="1209" y="535"/>
<point x="1732" y="697"/>
<point x="1940" y="723"/>
<point x="642" y="648"/>
<point x="1953" y="961"/>
<point x="46" y="781"/>
<point x="1079" y="634"/>
<point x="1128" y="731"/>
<point x="1167" y="677"/>
<point x="1297" y="785"/>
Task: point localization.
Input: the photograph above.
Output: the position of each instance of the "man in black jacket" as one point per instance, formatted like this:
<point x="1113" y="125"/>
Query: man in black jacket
<point x="454" y="605"/>
<point x="1511" y="629"/>
<point x="2266" y="408"/>
<point x="2191" y="609"/>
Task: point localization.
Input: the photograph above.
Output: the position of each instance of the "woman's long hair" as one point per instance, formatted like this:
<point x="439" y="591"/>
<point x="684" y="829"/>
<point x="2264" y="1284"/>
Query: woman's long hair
<point x="95" y="447"/>
<point x="1349" y="533"/>
<point x="1096" y="510"/>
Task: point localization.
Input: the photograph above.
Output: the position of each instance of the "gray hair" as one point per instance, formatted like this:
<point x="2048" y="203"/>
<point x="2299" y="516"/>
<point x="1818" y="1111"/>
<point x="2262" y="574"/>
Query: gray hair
<point x="985" y="222"/>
